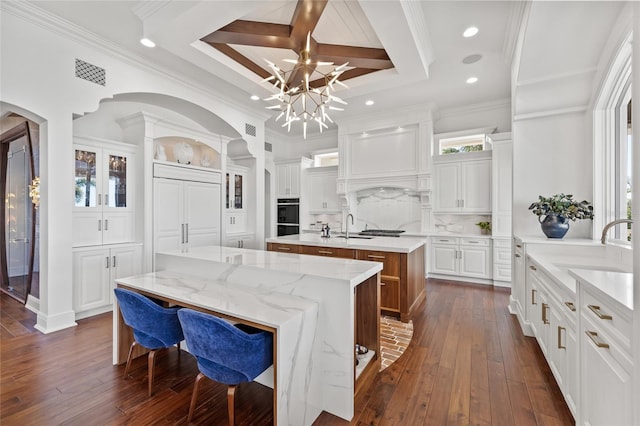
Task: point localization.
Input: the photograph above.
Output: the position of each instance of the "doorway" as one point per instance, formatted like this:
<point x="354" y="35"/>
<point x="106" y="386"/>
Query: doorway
<point x="19" y="191"/>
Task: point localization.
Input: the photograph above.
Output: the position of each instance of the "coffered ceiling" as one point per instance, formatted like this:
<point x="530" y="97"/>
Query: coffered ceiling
<point x="400" y="53"/>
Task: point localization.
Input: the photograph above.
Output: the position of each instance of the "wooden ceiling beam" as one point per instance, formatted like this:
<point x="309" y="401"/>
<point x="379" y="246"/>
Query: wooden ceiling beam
<point x="249" y="33"/>
<point x="358" y="57"/>
<point x="241" y="59"/>
<point x="304" y="20"/>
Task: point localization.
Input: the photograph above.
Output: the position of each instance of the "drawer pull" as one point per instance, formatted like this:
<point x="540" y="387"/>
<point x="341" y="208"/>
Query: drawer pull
<point x="445" y="241"/>
<point x="519" y="245"/>
<point x="593" y="336"/>
<point x="284" y="248"/>
<point x="571" y="306"/>
<point x="473" y="242"/>
<point x="533" y="297"/>
<point x="560" y="329"/>
<point x="517" y="255"/>
<point x="381" y="283"/>
<point x="533" y="268"/>
<point x="545" y="316"/>
<point x="325" y="252"/>
<point x="373" y="256"/>
<point x="596" y="310"/>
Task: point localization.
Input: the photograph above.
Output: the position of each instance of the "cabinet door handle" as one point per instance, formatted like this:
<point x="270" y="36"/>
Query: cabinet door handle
<point x="182" y="233"/>
<point x="325" y="252"/>
<point x="533" y="297"/>
<point x="545" y="316"/>
<point x="533" y="268"/>
<point x="99" y="224"/>
<point x="381" y="283"/>
<point x="461" y="203"/>
<point x="594" y="338"/>
<point x="284" y="248"/>
<point x="560" y="337"/>
<point x="186" y="233"/>
<point x="373" y="256"/>
<point x="107" y="265"/>
<point x="596" y="310"/>
<point x="106" y="199"/>
<point x="99" y="199"/>
<point x="519" y="245"/>
<point x="571" y="306"/>
<point x="113" y="262"/>
<point x="106" y="224"/>
<point x="517" y="255"/>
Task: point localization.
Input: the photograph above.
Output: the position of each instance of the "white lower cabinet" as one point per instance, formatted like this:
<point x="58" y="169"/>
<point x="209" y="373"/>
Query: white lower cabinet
<point x="502" y="261"/>
<point x="464" y="257"/>
<point x="247" y="241"/>
<point x="606" y="362"/>
<point x="94" y="272"/>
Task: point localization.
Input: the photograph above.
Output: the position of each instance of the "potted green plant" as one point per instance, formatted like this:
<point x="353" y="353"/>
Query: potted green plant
<point x="557" y="210"/>
<point x="485" y="227"/>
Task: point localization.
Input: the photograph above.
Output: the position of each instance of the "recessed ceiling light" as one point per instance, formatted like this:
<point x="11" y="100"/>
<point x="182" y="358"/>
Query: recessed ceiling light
<point x="255" y="97"/>
<point x="369" y="102"/>
<point x="472" y="80"/>
<point x="146" y="42"/>
<point x="470" y="32"/>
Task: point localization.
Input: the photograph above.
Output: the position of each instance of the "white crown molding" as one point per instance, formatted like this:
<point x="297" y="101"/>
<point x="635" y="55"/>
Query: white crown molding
<point x="474" y="108"/>
<point x="561" y="76"/>
<point x="516" y="17"/>
<point x="147" y="8"/>
<point x="42" y="18"/>
<point x="551" y="113"/>
<point x="418" y="27"/>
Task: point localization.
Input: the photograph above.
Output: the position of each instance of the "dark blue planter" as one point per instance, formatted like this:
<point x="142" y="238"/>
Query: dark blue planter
<point x="554" y="226"/>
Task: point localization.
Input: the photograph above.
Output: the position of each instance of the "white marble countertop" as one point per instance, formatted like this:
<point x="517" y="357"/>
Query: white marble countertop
<point x="352" y="271"/>
<point x="614" y="279"/>
<point x="528" y="239"/>
<point x="259" y="305"/>
<point x="391" y="244"/>
<point x="616" y="285"/>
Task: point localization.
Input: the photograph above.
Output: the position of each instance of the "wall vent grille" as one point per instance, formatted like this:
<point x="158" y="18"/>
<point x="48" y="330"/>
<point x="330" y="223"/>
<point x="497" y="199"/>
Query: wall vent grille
<point x="249" y="129"/>
<point x="268" y="147"/>
<point x="90" y="72"/>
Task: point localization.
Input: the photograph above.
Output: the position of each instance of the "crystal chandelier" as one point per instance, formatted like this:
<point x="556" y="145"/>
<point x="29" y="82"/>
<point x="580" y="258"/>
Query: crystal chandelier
<point x="296" y="99"/>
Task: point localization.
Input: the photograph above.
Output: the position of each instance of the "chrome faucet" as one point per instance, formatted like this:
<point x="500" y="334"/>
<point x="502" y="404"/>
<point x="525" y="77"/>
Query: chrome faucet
<point x="610" y="225"/>
<point x="347" y="233"/>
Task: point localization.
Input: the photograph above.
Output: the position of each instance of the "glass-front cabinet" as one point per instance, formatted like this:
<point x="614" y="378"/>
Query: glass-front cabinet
<point x="102" y="193"/>
<point x="235" y="201"/>
<point x="100" y="178"/>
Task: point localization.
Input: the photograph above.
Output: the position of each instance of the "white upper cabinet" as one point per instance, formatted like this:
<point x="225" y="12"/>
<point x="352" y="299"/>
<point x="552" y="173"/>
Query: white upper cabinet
<point x="323" y="196"/>
<point x="103" y="199"/>
<point x="288" y="178"/>
<point x="463" y="186"/>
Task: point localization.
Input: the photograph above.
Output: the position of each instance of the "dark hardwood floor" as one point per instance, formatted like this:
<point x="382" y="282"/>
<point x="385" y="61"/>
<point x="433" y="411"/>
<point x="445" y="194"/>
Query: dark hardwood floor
<point x="468" y="363"/>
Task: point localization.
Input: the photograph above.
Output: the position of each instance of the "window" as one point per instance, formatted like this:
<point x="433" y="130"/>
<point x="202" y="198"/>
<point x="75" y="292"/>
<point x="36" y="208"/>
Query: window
<point x="463" y="144"/>
<point x="624" y="155"/>
<point x="613" y="148"/>
<point x="472" y="140"/>
<point x="325" y="158"/>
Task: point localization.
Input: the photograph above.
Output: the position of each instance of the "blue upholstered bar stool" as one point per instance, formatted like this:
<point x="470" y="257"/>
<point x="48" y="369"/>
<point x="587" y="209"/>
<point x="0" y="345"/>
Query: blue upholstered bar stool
<point x="154" y="326"/>
<point x="226" y="353"/>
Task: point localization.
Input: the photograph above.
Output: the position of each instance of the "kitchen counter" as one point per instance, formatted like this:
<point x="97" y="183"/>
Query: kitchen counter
<point x="617" y="286"/>
<point x="390" y="244"/>
<point x="317" y="309"/>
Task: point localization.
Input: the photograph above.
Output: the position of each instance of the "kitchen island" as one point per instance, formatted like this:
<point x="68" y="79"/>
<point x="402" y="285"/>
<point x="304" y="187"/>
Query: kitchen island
<point x="316" y="308"/>
<point x="402" y="281"/>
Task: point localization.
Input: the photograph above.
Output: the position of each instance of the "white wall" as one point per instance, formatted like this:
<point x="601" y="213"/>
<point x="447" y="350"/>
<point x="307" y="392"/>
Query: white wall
<point x="492" y="114"/>
<point x="37" y="75"/>
<point x="550" y="155"/>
